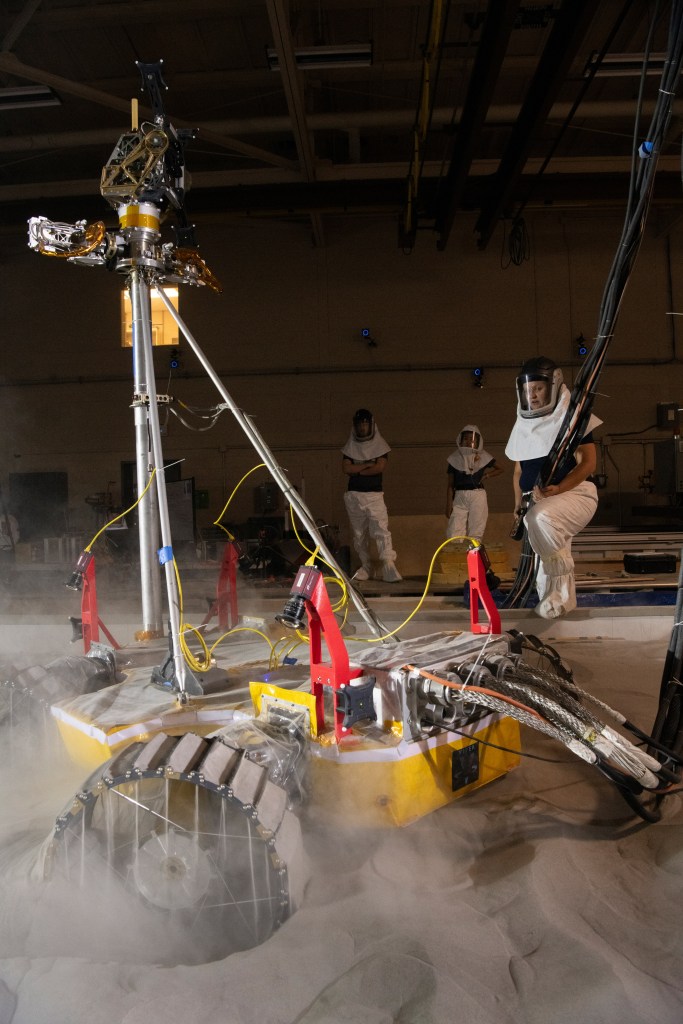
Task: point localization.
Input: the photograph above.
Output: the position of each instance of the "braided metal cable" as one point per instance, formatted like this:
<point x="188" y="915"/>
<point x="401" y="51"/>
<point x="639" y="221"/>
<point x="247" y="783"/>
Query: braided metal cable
<point x="554" y="688"/>
<point x="554" y="731"/>
<point x="557" y="715"/>
<point x="625" y="753"/>
<point x="573" y="691"/>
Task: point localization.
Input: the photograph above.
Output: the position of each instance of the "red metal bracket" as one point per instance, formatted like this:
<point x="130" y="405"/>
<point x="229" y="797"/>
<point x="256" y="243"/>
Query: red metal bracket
<point x="338" y="673"/>
<point x="225" y="604"/>
<point x="91" y="622"/>
<point x="479" y="591"/>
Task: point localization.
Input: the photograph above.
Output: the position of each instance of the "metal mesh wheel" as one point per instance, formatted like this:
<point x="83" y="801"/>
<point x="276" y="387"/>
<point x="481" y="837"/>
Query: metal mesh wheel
<point x="210" y="852"/>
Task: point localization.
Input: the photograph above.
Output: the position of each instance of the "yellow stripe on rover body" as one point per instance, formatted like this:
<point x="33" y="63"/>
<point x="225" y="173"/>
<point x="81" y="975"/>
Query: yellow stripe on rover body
<point x="380" y="778"/>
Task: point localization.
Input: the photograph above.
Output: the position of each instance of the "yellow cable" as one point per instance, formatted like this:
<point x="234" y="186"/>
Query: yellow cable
<point x="346" y="615"/>
<point x="344" y="599"/>
<point x="282" y="643"/>
<point x="377" y="639"/>
<point x="241" y="629"/>
<point x="314" y="554"/>
<point x="296" y="533"/>
<point x="234" y="492"/>
<point x="342" y="586"/>
<point x="288" y="650"/>
<point x="190" y="657"/>
<point x="121" y="514"/>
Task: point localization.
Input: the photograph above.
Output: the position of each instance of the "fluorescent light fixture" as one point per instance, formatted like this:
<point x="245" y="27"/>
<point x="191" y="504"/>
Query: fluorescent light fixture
<point x="310" y="58"/>
<point x="16" y="97"/>
<point x="623" y="65"/>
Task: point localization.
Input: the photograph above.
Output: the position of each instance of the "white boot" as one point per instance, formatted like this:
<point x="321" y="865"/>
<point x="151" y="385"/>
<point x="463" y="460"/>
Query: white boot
<point x="557" y="597"/>
<point x="390" y="573"/>
<point x="550" y="609"/>
<point x="361" y="574"/>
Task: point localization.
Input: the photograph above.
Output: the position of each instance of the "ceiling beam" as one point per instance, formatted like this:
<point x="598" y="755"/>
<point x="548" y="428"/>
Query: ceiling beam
<point x="262" y="76"/>
<point x="500" y="20"/>
<point x="292" y="84"/>
<point x="176" y="11"/>
<point x="290" y="77"/>
<point x="353" y="121"/>
<point x="577" y="172"/>
<point x="381" y="196"/>
<point x="567" y="34"/>
<point x="12" y="65"/>
<point x="19" y="24"/>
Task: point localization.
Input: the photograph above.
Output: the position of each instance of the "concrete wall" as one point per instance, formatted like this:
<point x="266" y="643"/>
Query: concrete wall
<point x="285" y="338"/>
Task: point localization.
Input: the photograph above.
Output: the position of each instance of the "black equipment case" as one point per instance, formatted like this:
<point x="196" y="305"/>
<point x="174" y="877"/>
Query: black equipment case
<point x="649" y="562"/>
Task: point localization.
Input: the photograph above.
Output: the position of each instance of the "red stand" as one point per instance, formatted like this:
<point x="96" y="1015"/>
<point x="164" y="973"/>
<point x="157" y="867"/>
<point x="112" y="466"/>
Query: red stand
<point x="91" y="622"/>
<point x="337" y="674"/>
<point x="479" y="591"/>
<point x="225" y="605"/>
<point x="321" y="621"/>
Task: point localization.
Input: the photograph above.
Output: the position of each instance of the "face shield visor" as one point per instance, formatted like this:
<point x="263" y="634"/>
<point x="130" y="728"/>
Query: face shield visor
<point x="470" y="440"/>
<point x="363" y="425"/>
<point x="538" y="392"/>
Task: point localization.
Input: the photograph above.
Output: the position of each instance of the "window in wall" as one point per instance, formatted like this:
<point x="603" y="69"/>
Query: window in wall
<point x="39" y="502"/>
<point x="164" y="327"/>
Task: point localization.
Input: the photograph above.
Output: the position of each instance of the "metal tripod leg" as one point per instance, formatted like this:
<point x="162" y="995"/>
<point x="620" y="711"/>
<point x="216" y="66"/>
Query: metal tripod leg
<point x="184" y="679"/>
<point x="148" y="525"/>
<point x="289" y="491"/>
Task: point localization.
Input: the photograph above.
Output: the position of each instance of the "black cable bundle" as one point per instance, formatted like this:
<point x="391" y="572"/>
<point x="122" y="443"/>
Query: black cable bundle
<point x="668" y="725"/>
<point x="643" y="168"/>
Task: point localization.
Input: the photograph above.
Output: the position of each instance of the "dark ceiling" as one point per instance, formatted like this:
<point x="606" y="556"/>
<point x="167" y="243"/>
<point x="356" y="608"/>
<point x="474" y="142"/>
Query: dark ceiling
<point x="466" y="105"/>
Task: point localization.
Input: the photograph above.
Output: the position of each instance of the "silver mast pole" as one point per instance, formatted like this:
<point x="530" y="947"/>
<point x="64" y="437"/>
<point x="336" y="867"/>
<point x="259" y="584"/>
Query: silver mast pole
<point x="184" y="683"/>
<point x="289" y="491"/>
<point x="148" y="529"/>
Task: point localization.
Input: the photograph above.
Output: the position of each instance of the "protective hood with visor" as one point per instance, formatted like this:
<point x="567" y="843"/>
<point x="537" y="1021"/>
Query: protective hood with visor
<point x="470" y="439"/>
<point x="360" y="418"/>
<point x="538" y="388"/>
<point x="469" y="456"/>
<point x="363" y="446"/>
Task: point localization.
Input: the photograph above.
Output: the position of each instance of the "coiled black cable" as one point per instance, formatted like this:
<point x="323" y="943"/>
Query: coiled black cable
<point x="641" y="185"/>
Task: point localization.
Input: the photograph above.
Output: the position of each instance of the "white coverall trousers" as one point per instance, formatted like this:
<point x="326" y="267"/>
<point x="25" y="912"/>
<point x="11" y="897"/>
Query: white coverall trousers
<point x="552" y="523"/>
<point x="469" y="515"/>
<point x="369" y="518"/>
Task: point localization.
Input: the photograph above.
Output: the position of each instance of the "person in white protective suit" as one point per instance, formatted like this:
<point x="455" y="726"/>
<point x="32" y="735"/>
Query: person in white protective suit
<point x="469" y="465"/>
<point x="561" y="509"/>
<point x="365" y="459"/>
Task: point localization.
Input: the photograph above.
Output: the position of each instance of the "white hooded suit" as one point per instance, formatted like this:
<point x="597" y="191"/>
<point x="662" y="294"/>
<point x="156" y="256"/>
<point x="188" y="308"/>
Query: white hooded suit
<point x="368" y="516"/>
<point x="553" y="522"/>
<point x="470" y="504"/>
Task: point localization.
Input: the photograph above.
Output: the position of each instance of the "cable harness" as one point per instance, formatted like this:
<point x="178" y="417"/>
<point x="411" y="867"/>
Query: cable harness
<point x="643" y="169"/>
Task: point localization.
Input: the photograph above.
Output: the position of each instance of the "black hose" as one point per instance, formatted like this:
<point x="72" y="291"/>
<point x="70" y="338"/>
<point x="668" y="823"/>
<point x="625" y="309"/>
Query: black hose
<point x="653" y="745"/>
<point x="523" y="583"/>
<point x="576" y="420"/>
<point x="670" y="733"/>
<point x="674" y="654"/>
<point x="629" y="789"/>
